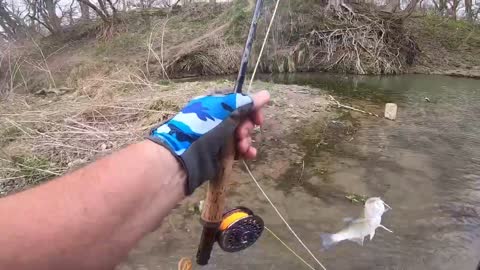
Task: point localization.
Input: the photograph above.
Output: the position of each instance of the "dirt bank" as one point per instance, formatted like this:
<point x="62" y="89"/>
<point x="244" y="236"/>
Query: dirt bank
<point x="447" y="47"/>
<point x="45" y="136"/>
<point x="208" y="40"/>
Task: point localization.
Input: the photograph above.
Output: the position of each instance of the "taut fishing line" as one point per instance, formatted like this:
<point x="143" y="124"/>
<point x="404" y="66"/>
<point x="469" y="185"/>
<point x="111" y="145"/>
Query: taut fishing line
<point x="255" y="180"/>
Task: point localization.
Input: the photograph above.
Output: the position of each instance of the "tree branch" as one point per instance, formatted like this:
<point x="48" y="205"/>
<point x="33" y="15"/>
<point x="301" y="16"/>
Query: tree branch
<point x="40" y="22"/>
<point x="96" y="9"/>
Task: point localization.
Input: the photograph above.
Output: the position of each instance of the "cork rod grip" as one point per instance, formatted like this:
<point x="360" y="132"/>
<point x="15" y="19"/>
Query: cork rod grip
<point x="215" y="200"/>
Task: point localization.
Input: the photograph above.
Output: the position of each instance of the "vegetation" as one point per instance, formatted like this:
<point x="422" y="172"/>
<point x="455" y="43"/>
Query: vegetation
<point x="162" y="40"/>
<point x="94" y="78"/>
<point x="452" y="34"/>
<point x="25" y="171"/>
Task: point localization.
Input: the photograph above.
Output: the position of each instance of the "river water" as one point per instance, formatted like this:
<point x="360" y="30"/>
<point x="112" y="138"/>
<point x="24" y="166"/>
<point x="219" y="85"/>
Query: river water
<point x="426" y="165"/>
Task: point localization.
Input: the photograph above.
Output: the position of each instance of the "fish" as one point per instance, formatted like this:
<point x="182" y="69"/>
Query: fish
<point x="357" y="229"/>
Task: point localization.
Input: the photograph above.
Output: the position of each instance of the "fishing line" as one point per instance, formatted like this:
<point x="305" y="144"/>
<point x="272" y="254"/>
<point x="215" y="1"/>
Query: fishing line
<point x="281" y="216"/>
<point x="291" y="250"/>
<point x="263" y="47"/>
<point x="248" y="169"/>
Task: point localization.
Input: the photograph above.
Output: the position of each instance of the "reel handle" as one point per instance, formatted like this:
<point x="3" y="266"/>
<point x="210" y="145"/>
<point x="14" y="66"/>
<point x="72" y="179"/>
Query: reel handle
<point x="213" y="210"/>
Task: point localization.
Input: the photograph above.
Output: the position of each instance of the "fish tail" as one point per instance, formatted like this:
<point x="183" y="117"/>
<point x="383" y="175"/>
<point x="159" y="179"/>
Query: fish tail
<point x="327" y="240"/>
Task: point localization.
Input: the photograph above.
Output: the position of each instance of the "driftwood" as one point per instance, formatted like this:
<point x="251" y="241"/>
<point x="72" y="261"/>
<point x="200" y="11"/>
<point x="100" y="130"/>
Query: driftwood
<point x="339" y="105"/>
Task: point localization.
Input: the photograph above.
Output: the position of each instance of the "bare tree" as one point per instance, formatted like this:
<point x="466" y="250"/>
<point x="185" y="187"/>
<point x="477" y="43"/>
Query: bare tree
<point x="411" y="7"/>
<point x="452" y="11"/>
<point x="146" y="3"/>
<point x="50" y="8"/>
<point x="105" y="10"/>
<point x="68" y="12"/>
<point x="44" y="13"/>
<point x="334" y="4"/>
<point x="468" y="10"/>
<point x="392" y="6"/>
<point x="12" y="25"/>
<point x="440" y="6"/>
<point x="84" y="11"/>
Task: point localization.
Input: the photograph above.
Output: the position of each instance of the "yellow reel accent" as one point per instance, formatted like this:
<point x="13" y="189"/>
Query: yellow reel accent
<point x="229" y="220"/>
<point x="185" y="264"/>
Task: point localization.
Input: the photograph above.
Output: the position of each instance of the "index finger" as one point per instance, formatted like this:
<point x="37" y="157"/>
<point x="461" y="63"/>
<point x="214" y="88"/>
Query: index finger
<point x="260" y="99"/>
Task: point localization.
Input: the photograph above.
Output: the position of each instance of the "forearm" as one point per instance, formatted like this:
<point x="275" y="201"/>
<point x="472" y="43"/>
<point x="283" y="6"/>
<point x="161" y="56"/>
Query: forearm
<point x="91" y="218"/>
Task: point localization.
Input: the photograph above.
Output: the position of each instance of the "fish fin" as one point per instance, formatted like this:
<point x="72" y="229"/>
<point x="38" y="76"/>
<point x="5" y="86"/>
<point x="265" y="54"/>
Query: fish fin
<point x="358" y="240"/>
<point x="388" y="206"/>
<point x="372" y="234"/>
<point x="385" y="228"/>
<point x="348" y="219"/>
<point x="327" y="240"/>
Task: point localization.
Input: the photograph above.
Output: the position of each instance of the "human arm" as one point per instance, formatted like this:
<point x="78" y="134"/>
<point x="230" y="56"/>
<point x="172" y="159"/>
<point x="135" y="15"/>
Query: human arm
<point x="91" y="218"/>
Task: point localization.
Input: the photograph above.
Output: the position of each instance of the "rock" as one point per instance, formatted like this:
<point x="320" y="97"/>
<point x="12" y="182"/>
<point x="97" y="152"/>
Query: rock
<point x="76" y="163"/>
<point x="427" y="99"/>
<point x="391" y="111"/>
<point x="103" y="146"/>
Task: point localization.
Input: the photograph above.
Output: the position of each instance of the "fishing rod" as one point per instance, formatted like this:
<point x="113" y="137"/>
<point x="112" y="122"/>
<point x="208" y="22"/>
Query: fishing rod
<point x="238" y="228"/>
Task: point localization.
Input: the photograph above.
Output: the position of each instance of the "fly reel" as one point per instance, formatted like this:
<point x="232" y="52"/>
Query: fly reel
<point x="239" y="229"/>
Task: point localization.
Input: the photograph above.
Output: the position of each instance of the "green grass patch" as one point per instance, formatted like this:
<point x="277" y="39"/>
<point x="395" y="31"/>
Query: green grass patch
<point x="33" y="169"/>
<point x="9" y="135"/>
<point x="24" y="171"/>
<point x="239" y="17"/>
<point x="452" y="34"/>
<point x="120" y="44"/>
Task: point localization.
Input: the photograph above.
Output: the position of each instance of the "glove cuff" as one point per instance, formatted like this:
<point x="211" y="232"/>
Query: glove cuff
<point x="160" y="142"/>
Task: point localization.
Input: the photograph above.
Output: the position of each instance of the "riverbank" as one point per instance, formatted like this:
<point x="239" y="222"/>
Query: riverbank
<point x="49" y="135"/>
<point x="203" y="40"/>
<point x="447" y="47"/>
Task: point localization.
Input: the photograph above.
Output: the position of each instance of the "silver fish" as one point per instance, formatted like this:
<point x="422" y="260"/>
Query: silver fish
<point x="357" y="229"/>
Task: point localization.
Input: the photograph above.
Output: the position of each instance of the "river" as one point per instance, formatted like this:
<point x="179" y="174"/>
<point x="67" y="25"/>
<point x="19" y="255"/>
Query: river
<point x="425" y="165"/>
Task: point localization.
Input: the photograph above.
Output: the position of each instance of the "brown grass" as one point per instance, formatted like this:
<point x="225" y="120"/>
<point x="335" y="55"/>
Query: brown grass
<point x="45" y="137"/>
<point x="205" y="55"/>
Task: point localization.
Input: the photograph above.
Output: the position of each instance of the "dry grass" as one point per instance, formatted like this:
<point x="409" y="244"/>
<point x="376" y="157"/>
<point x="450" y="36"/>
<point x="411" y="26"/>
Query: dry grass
<point x="206" y="55"/>
<point x="362" y="42"/>
<point x="45" y="137"/>
<point x="11" y="76"/>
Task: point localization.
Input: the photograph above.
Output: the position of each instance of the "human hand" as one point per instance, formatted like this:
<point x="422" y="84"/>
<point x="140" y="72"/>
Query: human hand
<point x="199" y="133"/>
<point x="245" y="128"/>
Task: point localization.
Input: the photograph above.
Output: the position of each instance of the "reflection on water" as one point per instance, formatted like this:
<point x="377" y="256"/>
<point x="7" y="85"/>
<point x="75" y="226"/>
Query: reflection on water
<point x="426" y="165"/>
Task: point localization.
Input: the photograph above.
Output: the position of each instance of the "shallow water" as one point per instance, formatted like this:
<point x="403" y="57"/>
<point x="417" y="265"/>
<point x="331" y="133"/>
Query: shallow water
<point x="426" y="165"/>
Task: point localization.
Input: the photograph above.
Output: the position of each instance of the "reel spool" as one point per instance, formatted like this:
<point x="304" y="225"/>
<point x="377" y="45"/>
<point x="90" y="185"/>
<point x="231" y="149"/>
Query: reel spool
<point x="239" y="229"/>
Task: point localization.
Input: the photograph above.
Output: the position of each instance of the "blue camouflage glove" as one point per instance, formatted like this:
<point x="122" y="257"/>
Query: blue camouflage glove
<point x="198" y="134"/>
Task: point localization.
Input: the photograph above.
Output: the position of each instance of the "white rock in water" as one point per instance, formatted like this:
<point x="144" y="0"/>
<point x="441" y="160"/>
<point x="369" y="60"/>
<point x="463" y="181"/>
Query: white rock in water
<point x="391" y="111"/>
